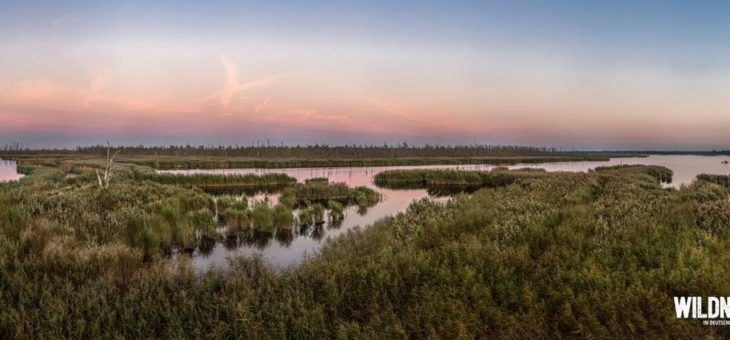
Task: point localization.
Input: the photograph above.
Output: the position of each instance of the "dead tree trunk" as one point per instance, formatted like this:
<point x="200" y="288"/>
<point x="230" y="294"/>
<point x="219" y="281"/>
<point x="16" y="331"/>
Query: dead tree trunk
<point x="106" y="179"/>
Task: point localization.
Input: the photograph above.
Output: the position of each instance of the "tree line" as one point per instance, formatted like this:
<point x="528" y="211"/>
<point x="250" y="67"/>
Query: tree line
<point x="312" y="151"/>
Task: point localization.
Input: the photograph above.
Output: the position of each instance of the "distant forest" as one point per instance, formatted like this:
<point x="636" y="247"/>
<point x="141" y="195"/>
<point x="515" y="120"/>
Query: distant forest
<point x="339" y="151"/>
<point x="311" y="151"/>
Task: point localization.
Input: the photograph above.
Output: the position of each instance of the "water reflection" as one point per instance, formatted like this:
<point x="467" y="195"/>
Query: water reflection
<point x="8" y="171"/>
<point x="288" y="247"/>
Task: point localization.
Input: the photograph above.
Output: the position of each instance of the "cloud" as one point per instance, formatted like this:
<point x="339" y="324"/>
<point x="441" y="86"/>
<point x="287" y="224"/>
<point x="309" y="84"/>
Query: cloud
<point x="260" y="106"/>
<point x="44" y="105"/>
<point x="233" y="86"/>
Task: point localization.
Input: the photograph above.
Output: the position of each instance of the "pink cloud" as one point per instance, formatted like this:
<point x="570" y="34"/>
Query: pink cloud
<point x="233" y="87"/>
<point x="261" y="105"/>
<point x="44" y="105"/>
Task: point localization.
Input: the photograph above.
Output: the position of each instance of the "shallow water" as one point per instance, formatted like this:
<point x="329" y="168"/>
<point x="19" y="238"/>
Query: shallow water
<point x="8" y="171"/>
<point x="685" y="168"/>
<point x="294" y="250"/>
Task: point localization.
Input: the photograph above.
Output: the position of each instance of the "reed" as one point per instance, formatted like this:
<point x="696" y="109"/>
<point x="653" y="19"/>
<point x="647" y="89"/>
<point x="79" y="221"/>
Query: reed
<point x="412" y="179"/>
<point x="315" y="180"/>
<point x="225" y="203"/>
<point x="288" y="198"/>
<point x="560" y="255"/>
<point x="336" y="210"/>
<point x="317" y="212"/>
<point x="312" y="215"/>
<point x="173" y="157"/>
<point x="203" y="222"/>
<point x="224" y="183"/>
<point x="282" y="217"/>
<point x="237" y="220"/>
<point x="321" y="192"/>
<point x="262" y="219"/>
<point x="723" y="180"/>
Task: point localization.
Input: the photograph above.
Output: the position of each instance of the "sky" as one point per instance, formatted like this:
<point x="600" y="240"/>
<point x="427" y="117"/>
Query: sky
<point x="570" y="74"/>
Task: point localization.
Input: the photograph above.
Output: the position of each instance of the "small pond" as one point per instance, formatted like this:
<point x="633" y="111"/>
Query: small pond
<point x="8" y="171"/>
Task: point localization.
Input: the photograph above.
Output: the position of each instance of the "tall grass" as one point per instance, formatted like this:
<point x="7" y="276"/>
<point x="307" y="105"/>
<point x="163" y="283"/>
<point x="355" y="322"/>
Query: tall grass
<point x="283" y="217"/>
<point x="224" y="182"/>
<point x="336" y="210"/>
<point x="432" y="178"/>
<point x="723" y="180"/>
<point x="263" y="219"/>
<point x="557" y="255"/>
<point x="188" y="157"/>
<point x="662" y="174"/>
<point x="322" y="192"/>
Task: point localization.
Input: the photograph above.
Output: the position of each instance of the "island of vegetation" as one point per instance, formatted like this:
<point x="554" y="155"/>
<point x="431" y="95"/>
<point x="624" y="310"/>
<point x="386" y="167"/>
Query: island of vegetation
<point x="267" y="156"/>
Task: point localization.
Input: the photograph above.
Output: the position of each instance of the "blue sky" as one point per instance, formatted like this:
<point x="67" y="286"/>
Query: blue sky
<point x="585" y="74"/>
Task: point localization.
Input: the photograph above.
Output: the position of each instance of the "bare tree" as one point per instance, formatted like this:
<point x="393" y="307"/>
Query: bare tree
<point x="106" y="179"/>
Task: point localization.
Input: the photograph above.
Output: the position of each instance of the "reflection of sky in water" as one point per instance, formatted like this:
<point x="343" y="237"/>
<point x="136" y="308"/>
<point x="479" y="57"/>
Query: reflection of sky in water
<point x="685" y="168"/>
<point x="8" y="171"/>
<point x="283" y="255"/>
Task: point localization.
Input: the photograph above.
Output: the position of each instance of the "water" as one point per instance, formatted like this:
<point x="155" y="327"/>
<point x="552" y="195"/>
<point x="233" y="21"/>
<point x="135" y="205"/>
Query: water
<point x="8" y="171"/>
<point x="291" y="252"/>
<point x="685" y="167"/>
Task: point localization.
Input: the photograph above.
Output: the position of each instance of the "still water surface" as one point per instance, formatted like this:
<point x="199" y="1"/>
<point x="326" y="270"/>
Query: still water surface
<point x="8" y="171"/>
<point x="290" y="252"/>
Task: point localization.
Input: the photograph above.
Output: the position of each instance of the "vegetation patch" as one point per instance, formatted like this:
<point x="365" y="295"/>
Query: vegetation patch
<point x="434" y="179"/>
<point x="224" y="183"/>
<point x="723" y="180"/>
<point x="323" y="192"/>
<point x="551" y="255"/>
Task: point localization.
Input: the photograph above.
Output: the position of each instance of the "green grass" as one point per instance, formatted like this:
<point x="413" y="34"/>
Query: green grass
<point x="450" y="180"/>
<point x="283" y="217"/>
<point x="224" y="183"/>
<point x="263" y="219"/>
<point x="723" y="180"/>
<point x="323" y="192"/>
<point x="437" y="178"/>
<point x="661" y="174"/>
<point x="557" y="255"/>
<point x="313" y="214"/>
<point x="336" y="210"/>
<point x="237" y="221"/>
